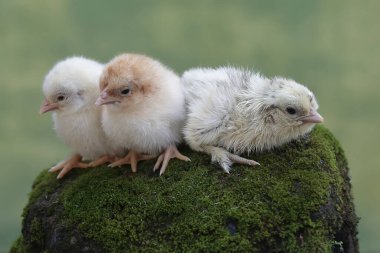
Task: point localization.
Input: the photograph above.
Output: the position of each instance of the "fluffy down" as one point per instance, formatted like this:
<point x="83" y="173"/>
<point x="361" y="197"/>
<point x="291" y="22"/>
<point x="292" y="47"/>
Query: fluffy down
<point x="237" y="110"/>
<point x="71" y="89"/>
<point x="144" y="108"/>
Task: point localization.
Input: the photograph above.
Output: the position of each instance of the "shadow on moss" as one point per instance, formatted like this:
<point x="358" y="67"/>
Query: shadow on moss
<point x="299" y="200"/>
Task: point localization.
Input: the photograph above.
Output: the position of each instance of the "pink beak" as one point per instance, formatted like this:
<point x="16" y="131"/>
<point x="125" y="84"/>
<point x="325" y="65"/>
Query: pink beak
<point x="104" y="99"/>
<point x="47" y="106"/>
<point x="313" y="117"/>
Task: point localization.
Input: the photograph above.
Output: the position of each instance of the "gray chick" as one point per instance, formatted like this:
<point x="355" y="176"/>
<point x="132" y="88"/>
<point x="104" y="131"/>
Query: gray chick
<point x="231" y="111"/>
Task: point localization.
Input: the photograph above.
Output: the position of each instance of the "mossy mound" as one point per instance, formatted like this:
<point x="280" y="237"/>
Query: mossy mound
<point x="298" y="200"/>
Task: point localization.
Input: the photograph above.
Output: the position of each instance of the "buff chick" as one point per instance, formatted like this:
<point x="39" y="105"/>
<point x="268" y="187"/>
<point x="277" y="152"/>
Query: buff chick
<point x="144" y="109"/>
<point x="71" y="89"/>
<point x="231" y="111"/>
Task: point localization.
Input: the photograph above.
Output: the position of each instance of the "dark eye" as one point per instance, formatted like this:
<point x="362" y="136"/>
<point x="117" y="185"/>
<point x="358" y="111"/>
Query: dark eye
<point x="291" y="110"/>
<point x="125" y="91"/>
<point x="60" y="97"/>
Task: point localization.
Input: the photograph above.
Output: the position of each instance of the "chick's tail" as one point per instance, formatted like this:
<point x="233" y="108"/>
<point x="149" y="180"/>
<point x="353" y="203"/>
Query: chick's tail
<point x="225" y="159"/>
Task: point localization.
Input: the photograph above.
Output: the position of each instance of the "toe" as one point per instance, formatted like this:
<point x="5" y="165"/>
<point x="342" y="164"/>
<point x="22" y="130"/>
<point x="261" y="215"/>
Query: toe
<point x="114" y="164"/>
<point x="158" y="162"/>
<point x="179" y="156"/>
<point x="64" y="171"/>
<point x="165" y="163"/>
<point x="225" y="167"/>
<point x="57" y="167"/>
<point x="82" y="165"/>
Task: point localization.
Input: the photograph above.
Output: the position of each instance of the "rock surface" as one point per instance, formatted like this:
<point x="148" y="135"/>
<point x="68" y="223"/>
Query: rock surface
<point x="298" y="200"/>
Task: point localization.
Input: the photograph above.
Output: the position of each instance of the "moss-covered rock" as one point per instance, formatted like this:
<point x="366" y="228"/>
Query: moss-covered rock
<point x="298" y="200"/>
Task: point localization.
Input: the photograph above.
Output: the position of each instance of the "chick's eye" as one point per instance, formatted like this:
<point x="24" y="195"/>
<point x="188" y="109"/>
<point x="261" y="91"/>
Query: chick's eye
<point x="125" y="91"/>
<point x="60" y="98"/>
<point x="291" y="110"/>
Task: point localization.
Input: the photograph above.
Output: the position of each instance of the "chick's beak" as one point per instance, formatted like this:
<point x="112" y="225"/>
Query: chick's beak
<point x="47" y="106"/>
<point x="313" y="117"/>
<point x="105" y="98"/>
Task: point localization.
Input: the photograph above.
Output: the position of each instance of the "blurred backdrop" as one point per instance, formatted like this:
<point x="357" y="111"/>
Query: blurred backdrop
<point x="331" y="46"/>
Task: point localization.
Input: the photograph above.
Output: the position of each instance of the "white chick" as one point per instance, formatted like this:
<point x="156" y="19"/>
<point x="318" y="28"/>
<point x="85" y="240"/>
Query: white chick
<point x="71" y="89"/>
<point x="231" y="109"/>
<point x="144" y="109"/>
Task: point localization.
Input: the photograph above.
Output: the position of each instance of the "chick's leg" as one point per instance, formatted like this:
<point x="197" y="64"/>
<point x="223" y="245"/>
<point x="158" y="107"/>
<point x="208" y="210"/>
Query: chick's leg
<point x="225" y="159"/>
<point x="102" y="160"/>
<point x="170" y="152"/>
<point x="67" y="165"/>
<point x="131" y="158"/>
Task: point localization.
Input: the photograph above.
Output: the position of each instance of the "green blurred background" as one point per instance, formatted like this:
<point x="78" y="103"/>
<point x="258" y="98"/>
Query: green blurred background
<point x="331" y="46"/>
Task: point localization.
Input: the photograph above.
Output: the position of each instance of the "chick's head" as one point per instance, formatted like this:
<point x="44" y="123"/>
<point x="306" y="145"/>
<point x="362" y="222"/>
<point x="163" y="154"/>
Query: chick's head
<point x="291" y="105"/>
<point x="66" y="85"/>
<point x="126" y="82"/>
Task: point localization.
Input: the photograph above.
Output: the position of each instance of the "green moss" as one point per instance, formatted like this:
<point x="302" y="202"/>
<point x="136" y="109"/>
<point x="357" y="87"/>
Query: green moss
<point x="37" y="232"/>
<point x="291" y="203"/>
<point x="44" y="184"/>
<point x="18" y="246"/>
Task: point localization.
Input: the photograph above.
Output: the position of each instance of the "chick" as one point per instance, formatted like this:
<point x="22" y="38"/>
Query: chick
<point x="144" y="109"/>
<point x="71" y="89"/>
<point x="231" y="109"/>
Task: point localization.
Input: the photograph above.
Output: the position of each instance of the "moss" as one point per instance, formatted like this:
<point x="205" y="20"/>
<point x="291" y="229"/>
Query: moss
<point x="297" y="201"/>
<point x="43" y="185"/>
<point x="18" y="246"/>
<point x="37" y="234"/>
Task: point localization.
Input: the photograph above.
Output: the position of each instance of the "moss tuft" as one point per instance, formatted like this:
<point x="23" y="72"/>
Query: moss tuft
<point x="18" y="246"/>
<point x="37" y="233"/>
<point x="297" y="201"/>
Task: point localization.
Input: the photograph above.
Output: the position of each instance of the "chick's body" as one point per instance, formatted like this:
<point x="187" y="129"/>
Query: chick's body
<point x="71" y="89"/>
<point x="237" y="110"/>
<point x="80" y="133"/>
<point x="144" y="108"/>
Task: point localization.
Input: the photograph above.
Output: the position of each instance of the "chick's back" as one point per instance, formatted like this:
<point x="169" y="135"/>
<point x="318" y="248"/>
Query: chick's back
<point x="210" y="100"/>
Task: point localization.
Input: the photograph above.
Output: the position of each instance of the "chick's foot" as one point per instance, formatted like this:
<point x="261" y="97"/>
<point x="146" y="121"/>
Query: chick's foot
<point x="131" y="158"/>
<point x="65" y="166"/>
<point x="102" y="160"/>
<point x="170" y="152"/>
<point x="242" y="160"/>
<point x="226" y="159"/>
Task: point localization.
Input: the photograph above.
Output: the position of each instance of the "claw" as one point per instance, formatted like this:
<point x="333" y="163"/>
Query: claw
<point x="238" y="159"/>
<point x="226" y="159"/>
<point x="163" y="160"/>
<point x="158" y="162"/>
<point x="131" y="158"/>
<point x="102" y="160"/>
<point x="57" y="167"/>
<point x="65" y="166"/>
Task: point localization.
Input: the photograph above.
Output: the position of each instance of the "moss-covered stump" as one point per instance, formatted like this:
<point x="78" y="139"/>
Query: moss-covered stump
<point x="298" y="200"/>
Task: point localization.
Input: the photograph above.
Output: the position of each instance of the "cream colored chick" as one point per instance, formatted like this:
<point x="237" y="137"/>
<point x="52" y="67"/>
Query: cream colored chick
<point x="144" y="109"/>
<point x="71" y="89"/>
<point x="231" y="109"/>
